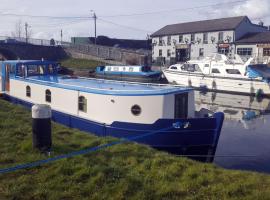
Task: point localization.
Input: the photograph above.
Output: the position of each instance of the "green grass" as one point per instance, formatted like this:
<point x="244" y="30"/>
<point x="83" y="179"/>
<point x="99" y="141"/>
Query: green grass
<point x="126" y="171"/>
<point x="77" y="63"/>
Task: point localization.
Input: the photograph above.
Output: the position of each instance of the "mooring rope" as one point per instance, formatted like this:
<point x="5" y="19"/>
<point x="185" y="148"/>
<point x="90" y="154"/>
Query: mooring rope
<point x="85" y="151"/>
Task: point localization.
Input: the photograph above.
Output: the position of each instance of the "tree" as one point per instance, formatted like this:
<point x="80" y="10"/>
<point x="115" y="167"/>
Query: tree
<point x="18" y="29"/>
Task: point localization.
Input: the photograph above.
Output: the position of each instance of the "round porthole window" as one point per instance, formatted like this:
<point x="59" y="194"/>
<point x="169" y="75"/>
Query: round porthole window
<point x="136" y="110"/>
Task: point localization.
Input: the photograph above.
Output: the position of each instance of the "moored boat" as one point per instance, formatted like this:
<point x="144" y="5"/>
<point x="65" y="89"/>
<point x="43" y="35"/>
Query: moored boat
<point x="128" y="73"/>
<point x="218" y="73"/>
<point x="113" y="108"/>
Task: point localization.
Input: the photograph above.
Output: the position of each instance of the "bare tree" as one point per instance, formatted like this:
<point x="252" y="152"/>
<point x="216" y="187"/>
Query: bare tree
<point x="18" y="29"/>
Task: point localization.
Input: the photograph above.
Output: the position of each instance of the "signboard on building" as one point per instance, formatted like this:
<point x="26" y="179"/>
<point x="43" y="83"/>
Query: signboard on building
<point x="182" y="46"/>
<point x="263" y="45"/>
<point x="224" y="45"/>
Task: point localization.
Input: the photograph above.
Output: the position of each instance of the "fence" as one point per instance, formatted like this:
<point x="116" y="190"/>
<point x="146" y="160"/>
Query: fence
<point x="104" y="52"/>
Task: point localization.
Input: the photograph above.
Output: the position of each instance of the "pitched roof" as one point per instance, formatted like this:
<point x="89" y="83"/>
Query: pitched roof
<point x="255" y="38"/>
<point x="201" y="26"/>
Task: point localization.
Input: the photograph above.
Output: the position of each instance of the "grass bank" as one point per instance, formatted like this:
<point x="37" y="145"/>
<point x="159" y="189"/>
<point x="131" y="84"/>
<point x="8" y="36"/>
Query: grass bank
<point x="126" y="171"/>
<point x="76" y="63"/>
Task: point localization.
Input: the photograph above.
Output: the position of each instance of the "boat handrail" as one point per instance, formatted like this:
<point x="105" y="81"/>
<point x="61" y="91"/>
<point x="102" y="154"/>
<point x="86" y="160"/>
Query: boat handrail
<point x="99" y="89"/>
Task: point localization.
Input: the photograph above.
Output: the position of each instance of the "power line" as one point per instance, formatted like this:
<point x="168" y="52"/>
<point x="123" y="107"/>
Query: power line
<point x="122" y="15"/>
<point x="44" y="16"/>
<point x="124" y="26"/>
<point x="178" y="9"/>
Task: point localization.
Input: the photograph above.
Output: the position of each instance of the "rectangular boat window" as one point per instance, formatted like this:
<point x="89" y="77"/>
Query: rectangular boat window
<point x="206" y="65"/>
<point x="173" y="67"/>
<point x="181" y="105"/>
<point x="109" y="68"/>
<point x="233" y="71"/>
<point x="35" y="70"/>
<point x="244" y="51"/>
<point x="191" y="67"/>
<point x="131" y="69"/>
<point x="20" y="70"/>
<point x="215" y="71"/>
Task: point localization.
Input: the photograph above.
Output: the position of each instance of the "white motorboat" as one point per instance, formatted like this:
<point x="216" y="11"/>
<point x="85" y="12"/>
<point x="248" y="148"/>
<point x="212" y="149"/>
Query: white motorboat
<point x="219" y="73"/>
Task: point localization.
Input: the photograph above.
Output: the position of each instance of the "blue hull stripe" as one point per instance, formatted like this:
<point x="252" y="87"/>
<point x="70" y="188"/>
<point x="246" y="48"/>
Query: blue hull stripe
<point x="202" y="131"/>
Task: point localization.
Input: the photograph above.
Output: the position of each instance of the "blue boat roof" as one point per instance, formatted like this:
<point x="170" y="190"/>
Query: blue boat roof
<point x="106" y="87"/>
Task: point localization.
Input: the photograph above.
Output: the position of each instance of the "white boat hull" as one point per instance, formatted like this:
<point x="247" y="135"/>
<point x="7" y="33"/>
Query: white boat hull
<point x="235" y="85"/>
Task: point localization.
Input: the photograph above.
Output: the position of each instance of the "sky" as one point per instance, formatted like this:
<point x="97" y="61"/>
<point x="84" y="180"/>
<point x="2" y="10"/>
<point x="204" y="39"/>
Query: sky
<point x="131" y="19"/>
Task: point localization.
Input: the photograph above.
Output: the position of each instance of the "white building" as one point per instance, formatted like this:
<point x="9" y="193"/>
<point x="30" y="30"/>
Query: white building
<point x="181" y="42"/>
<point x="256" y="45"/>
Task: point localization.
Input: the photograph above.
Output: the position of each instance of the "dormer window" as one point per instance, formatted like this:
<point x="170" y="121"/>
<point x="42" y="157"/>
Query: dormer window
<point x="169" y="40"/>
<point x="205" y="38"/>
<point x="220" y="36"/>
<point x="192" y="37"/>
<point x="181" y="39"/>
<point x="160" y="41"/>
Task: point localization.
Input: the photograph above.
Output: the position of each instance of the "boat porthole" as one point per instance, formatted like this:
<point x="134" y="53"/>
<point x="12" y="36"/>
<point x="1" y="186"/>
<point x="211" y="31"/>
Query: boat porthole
<point x="136" y="110"/>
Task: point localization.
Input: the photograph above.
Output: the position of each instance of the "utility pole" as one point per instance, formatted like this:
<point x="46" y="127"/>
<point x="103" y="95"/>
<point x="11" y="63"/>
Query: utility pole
<point x="95" y="23"/>
<point x="95" y="19"/>
<point x="26" y="31"/>
<point x="61" y="36"/>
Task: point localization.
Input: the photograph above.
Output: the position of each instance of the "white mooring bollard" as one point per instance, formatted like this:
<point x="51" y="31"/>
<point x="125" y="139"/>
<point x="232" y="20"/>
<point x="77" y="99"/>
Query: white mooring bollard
<point x="41" y="127"/>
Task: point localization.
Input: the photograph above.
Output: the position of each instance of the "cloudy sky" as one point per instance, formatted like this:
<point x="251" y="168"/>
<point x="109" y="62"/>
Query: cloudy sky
<point x="119" y="18"/>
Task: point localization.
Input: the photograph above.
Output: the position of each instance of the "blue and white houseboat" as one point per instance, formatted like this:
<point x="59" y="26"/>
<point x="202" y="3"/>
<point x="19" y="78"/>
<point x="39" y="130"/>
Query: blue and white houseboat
<point x="113" y="108"/>
<point x="128" y="73"/>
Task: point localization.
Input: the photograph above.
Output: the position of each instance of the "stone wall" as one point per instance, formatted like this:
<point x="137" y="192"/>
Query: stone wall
<point x="110" y="54"/>
<point x="31" y="52"/>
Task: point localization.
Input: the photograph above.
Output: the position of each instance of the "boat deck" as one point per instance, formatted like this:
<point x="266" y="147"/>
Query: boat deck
<point x="108" y="87"/>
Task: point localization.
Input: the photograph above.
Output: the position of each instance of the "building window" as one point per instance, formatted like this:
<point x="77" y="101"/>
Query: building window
<point x="28" y="91"/>
<point x="48" y="96"/>
<point x="169" y="40"/>
<point x="82" y="104"/>
<point x="215" y="71"/>
<point x="181" y="39"/>
<point x="266" y="52"/>
<point x="136" y="110"/>
<point x="201" y="52"/>
<point x="205" y="38"/>
<point x="233" y="71"/>
<point x="160" y="53"/>
<point x="168" y="53"/>
<point x="160" y="41"/>
<point x="192" y="37"/>
<point x="220" y="36"/>
<point x="223" y="50"/>
<point x="244" y="51"/>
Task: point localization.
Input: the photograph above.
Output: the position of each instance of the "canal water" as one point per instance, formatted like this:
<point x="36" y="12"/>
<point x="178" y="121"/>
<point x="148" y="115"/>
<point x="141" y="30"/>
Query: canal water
<point x="244" y="142"/>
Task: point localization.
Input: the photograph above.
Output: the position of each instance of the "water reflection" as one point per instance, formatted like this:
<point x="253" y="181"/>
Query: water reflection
<point x="244" y="140"/>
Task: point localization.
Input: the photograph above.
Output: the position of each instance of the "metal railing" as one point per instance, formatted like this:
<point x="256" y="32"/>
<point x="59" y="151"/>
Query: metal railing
<point x="34" y="41"/>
